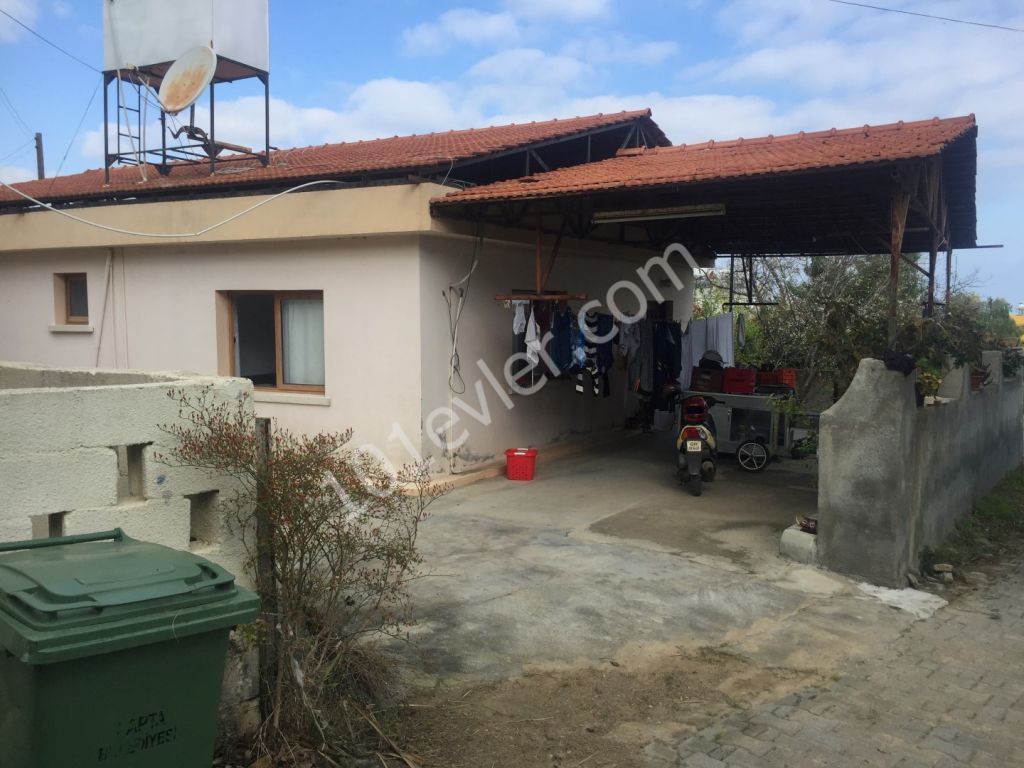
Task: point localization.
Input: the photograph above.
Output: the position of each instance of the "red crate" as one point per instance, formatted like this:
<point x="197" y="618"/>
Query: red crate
<point x="780" y="377"/>
<point x="520" y="463"/>
<point x="739" y="381"/>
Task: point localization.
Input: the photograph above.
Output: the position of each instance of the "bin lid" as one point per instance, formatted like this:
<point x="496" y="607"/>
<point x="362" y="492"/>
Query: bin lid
<point x="76" y="596"/>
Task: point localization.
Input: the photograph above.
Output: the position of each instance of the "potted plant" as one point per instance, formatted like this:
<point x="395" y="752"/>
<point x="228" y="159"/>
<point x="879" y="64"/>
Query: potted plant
<point x="979" y="376"/>
<point x="929" y="377"/>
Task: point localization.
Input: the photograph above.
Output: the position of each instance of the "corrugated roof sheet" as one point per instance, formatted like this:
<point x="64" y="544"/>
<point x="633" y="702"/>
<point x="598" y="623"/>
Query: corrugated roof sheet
<point x="327" y="161"/>
<point x="714" y="160"/>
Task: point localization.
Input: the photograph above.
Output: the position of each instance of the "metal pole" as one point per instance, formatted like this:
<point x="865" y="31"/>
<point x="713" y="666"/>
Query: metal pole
<point x="732" y="280"/>
<point x="266" y="118"/>
<point x="163" y="136"/>
<point x="933" y="256"/>
<point x="949" y="273"/>
<point x="40" y="168"/>
<point x="106" y="134"/>
<point x="265" y="583"/>
<point x="213" y="134"/>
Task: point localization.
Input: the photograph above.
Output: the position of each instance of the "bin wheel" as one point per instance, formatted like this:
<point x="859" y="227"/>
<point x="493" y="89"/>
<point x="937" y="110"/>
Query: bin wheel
<point x="752" y="456"/>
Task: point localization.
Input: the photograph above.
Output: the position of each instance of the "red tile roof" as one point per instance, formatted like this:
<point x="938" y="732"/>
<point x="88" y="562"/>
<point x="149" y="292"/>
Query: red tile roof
<point x="327" y="161"/>
<point x="718" y="160"/>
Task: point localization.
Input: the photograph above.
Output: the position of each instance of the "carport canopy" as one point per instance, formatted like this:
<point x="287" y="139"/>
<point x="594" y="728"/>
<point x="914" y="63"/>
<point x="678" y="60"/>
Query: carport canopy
<point x="906" y="187"/>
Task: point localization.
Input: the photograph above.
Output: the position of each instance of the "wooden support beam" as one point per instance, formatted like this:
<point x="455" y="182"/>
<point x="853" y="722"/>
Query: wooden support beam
<point x="949" y="271"/>
<point x="554" y="255"/>
<point x="913" y="264"/>
<point x="539" y="280"/>
<point x="898" y="207"/>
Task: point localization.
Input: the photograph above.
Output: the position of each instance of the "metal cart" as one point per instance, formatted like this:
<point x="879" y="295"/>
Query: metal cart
<point x="750" y="426"/>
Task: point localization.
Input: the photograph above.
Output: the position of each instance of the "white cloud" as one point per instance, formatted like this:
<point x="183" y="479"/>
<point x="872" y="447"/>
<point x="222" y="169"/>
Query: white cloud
<point x="24" y="11"/>
<point x="62" y="8"/>
<point x="458" y="26"/>
<point x="573" y="10"/>
<point x="529" y="64"/>
<point x="620" y="49"/>
<point x="12" y="174"/>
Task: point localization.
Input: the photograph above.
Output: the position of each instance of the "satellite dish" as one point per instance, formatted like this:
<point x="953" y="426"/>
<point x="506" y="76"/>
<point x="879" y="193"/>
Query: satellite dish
<point x="187" y="78"/>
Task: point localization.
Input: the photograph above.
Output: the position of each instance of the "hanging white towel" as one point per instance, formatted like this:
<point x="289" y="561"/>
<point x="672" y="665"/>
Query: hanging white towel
<point x="532" y="340"/>
<point x="519" y="321"/>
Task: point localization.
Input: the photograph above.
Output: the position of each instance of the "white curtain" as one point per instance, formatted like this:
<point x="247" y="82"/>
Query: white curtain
<point x="302" y="332"/>
<point x="703" y="335"/>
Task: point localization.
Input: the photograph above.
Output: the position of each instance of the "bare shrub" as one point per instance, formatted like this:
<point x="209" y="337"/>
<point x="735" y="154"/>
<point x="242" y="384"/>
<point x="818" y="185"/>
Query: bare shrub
<point x="331" y="536"/>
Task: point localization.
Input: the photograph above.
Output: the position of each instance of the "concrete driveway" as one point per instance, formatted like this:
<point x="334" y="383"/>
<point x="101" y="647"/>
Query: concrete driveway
<point x="605" y="557"/>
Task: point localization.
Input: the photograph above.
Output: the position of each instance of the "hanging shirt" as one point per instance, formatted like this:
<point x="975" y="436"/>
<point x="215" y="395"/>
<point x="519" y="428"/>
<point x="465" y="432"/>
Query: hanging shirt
<point x="532" y="340"/>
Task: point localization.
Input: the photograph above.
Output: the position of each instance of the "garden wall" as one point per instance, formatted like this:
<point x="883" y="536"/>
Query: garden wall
<point x="79" y="454"/>
<point x="895" y="478"/>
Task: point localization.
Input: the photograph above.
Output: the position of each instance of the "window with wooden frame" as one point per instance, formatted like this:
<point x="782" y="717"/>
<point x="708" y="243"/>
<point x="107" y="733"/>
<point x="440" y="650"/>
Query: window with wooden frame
<point x="278" y="339"/>
<point x="73" y="298"/>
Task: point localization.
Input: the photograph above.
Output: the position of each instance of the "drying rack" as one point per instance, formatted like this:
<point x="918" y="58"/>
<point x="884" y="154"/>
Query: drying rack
<point x="539" y="293"/>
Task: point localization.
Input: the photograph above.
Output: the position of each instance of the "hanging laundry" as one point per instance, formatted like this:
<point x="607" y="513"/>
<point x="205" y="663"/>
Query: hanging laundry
<point x="646" y="357"/>
<point x="595" y="353"/>
<point x="519" y="320"/>
<point x="562" y="340"/>
<point x="606" y="332"/>
<point x="629" y="337"/>
<point x="532" y="339"/>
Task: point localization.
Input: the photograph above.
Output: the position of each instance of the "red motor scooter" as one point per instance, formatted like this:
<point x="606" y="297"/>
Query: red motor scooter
<point x="696" y="446"/>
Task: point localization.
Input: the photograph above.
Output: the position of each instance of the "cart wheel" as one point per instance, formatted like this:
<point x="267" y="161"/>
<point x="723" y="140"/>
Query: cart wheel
<point x="752" y="456"/>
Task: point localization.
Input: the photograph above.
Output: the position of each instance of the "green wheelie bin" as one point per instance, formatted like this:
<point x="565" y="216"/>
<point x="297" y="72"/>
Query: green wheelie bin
<point x="112" y="652"/>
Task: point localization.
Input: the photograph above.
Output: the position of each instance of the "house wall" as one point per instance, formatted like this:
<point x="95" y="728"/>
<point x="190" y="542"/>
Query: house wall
<point x="556" y="411"/>
<point x="895" y="478"/>
<point x="162" y="312"/>
<point x="382" y="263"/>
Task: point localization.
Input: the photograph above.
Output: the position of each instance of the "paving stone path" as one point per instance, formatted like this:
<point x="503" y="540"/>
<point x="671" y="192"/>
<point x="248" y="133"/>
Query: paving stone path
<point x="949" y="692"/>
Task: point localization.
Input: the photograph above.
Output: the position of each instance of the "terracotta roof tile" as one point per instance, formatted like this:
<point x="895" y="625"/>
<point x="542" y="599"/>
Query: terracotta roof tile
<point x="717" y="160"/>
<point x="326" y="161"/>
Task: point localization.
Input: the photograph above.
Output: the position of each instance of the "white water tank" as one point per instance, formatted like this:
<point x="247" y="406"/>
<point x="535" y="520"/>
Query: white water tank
<point x="151" y="34"/>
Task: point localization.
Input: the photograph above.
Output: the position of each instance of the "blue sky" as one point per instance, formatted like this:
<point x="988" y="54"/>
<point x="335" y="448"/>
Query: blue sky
<point x="709" y="69"/>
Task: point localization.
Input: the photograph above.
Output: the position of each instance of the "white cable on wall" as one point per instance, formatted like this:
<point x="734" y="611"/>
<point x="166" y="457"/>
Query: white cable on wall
<point x="170" y="235"/>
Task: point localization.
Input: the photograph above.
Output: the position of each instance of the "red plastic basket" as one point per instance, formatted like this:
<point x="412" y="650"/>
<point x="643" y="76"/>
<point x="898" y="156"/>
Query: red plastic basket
<point x="520" y="463"/>
<point x="739" y="381"/>
<point x="781" y="377"/>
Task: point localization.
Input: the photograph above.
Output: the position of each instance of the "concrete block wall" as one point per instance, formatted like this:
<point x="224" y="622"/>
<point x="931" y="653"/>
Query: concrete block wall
<point x="79" y="453"/>
<point x="895" y="478"/>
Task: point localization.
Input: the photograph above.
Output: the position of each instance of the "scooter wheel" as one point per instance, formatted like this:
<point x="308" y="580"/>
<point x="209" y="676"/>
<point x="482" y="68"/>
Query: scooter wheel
<point x="696" y="485"/>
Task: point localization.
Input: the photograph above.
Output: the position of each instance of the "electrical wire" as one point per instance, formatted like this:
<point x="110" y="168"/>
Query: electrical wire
<point x="170" y="235"/>
<point x="14" y="113"/>
<point x="74" y="136"/>
<point x="18" y="151"/>
<point x="926" y="15"/>
<point x="461" y="288"/>
<point x="29" y="29"/>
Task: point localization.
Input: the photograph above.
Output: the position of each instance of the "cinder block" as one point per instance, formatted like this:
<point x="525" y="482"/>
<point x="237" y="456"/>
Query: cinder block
<point x="15" y="528"/>
<point x="62" y="419"/>
<point x="163" y="480"/>
<point x="159" y="521"/>
<point x="42" y="483"/>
